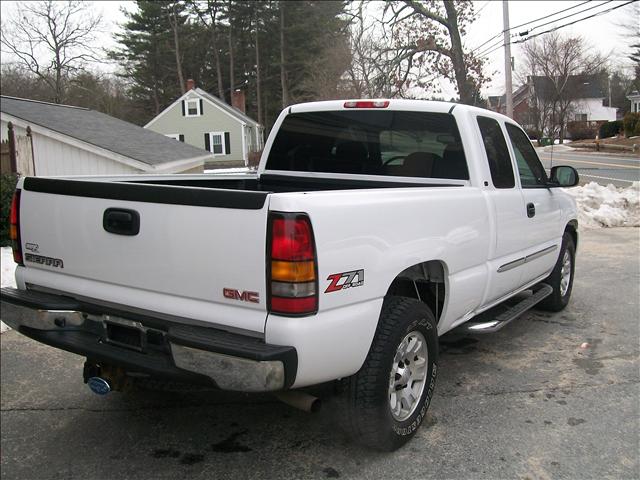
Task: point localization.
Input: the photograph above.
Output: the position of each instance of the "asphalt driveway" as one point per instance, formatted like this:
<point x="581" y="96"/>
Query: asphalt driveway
<point x="526" y="402"/>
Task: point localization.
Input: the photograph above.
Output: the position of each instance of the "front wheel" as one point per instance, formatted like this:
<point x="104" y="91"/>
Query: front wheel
<point x="561" y="277"/>
<point x="389" y="397"/>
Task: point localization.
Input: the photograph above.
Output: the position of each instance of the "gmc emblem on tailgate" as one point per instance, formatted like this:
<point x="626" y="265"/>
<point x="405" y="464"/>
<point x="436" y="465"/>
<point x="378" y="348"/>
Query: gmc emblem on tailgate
<point x="233" y="294"/>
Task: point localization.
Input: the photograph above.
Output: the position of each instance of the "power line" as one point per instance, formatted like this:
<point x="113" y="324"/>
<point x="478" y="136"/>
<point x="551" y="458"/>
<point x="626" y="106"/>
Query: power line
<point x="482" y="7"/>
<point x="558" y="19"/>
<point x="575" y="21"/>
<point x="552" y="15"/>
<point x="560" y="26"/>
<point x="533" y="21"/>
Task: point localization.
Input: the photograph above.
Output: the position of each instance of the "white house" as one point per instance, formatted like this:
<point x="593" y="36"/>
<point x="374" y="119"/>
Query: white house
<point x="69" y="140"/>
<point x="634" y="98"/>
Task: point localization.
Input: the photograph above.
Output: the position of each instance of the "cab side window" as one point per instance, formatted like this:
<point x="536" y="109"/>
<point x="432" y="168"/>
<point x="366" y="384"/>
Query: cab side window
<point x="497" y="153"/>
<point x="531" y="171"/>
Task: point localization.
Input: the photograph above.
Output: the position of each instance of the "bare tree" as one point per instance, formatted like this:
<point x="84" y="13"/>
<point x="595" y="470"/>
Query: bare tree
<point x="175" y="26"/>
<point x="283" y="69"/>
<point x="426" y="40"/>
<point x="630" y="30"/>
<point x="258" y="79"/>
<point x="560" y="62"/>
<point x="213" y="10"/>
<point x="52" y="39"/>
<point x="372" y="72"/>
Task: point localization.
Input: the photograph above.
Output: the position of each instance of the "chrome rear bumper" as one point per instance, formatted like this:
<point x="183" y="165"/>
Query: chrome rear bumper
<point x="164" y="349"/>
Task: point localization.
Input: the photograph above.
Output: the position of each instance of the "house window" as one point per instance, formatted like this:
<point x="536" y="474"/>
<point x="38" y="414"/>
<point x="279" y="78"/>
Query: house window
<point x="581" y="117"/>
<point x="217" y="143"/>
<point x="176" y="136"/>
<point x="192" y="108"/>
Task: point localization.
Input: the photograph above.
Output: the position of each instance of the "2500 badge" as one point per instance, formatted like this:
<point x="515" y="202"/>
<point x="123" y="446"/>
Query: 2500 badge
<point x="340" y="281"/>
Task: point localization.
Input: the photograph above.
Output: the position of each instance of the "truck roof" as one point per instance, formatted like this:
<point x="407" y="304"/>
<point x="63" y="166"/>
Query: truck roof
<point x="394" y="104"/>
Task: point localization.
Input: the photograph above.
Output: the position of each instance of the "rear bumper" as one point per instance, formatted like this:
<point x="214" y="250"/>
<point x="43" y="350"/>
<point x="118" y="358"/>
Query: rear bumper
<point x="159" y="348"/>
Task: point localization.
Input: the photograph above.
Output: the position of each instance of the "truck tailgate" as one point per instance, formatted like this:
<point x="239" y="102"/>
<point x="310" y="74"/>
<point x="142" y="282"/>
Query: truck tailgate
<point x="198" y="253"/>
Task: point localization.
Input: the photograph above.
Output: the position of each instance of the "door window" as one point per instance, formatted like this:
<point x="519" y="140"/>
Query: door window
<point x="497" y="153"/>
<point x="531" y="171"/>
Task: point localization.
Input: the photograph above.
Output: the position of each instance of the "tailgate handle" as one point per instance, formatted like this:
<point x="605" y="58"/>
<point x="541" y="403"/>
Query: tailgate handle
<point x="121" y="221"/>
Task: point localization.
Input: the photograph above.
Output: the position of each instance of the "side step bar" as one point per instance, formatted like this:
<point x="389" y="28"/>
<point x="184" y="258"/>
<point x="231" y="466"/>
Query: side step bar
<point x="491" y="321"/>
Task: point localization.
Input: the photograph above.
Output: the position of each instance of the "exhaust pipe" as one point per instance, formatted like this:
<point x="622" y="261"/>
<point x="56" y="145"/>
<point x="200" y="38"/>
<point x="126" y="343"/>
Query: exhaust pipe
<point x="300" y="400"/>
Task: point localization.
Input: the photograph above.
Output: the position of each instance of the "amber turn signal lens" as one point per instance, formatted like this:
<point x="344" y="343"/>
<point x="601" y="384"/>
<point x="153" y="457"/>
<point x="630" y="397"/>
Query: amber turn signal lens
<point x="292" y="271"/>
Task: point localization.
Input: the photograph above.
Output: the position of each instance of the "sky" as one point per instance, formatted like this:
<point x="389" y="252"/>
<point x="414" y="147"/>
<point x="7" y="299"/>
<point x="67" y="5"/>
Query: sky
<point x="601" y="33"/>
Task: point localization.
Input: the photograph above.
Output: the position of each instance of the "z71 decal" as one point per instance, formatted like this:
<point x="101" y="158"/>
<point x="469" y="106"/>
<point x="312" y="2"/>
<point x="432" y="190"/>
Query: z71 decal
<point x="340" y="281"/>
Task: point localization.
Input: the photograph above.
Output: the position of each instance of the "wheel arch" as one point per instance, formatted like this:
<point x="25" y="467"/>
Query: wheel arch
<point x="425" y="281"/>
<point x="572" y="229"/>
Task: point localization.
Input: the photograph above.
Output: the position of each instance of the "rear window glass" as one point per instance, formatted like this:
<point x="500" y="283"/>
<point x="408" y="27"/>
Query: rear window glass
<point x="402" y="144"/>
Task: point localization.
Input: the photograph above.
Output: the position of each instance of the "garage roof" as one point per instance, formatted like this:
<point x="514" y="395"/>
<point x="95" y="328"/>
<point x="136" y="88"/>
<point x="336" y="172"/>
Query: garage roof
<point x="101" y="130"/>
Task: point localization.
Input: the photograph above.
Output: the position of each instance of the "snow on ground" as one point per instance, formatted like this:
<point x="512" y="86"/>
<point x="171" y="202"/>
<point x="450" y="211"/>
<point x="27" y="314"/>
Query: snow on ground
<point x="600" y="206"/>
<point x="8" y="278"/>
<point x="227" y="171"/>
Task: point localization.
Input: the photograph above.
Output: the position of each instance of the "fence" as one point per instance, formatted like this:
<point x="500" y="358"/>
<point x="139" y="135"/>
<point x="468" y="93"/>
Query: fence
<point x="16" y="154"/>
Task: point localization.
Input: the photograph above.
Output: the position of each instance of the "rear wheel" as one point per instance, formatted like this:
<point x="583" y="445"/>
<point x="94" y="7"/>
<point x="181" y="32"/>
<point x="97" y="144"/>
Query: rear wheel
<point x="561" y="278"/>
<point x="389" y="397"/>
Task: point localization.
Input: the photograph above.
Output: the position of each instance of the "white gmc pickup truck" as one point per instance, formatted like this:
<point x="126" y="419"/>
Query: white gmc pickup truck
<point x="370" y="228"/>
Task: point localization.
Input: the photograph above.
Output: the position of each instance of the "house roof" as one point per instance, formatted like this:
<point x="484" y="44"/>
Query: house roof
<point x="101" y="130"/>
<point x="239" y="114"/>
<point x="581" y="86"/>
<point x="520" y="94"/>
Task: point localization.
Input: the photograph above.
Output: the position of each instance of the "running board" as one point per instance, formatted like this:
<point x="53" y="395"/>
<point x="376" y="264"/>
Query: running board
<point x="492" y="321"/>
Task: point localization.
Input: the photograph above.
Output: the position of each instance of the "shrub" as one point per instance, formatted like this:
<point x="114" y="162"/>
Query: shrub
<point x="631" y="123"/>
<point x="581" y="130"/>
<point x="610" y="129"/>
<point x="7" y="187"/>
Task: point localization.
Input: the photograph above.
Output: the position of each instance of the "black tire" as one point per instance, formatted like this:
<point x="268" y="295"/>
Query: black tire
<point x="557" y="301"/>
<point x="369" y="416"/>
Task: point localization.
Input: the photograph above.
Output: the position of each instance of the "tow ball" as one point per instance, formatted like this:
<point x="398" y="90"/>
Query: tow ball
<point x="103" y="379"/>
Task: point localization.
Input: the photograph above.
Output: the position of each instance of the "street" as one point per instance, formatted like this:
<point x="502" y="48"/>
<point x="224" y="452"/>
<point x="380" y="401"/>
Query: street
<point x="602" y="168"/>
<point x="526" y="402"/>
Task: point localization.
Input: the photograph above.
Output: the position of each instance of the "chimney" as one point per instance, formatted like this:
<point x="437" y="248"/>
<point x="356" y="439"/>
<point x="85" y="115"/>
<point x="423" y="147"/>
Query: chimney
<point x="238" y="100"/>
<point x="190" y="84"/>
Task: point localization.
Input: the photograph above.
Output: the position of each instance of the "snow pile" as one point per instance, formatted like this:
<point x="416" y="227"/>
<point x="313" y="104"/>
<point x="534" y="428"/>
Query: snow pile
<point x="8" y="275"/>
<point x="608" y="206"/>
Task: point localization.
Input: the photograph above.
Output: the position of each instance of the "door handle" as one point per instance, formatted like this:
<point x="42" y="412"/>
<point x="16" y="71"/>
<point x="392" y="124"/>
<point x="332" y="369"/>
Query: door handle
<point x="121" y="221"/>
<point x="531" y="210"/>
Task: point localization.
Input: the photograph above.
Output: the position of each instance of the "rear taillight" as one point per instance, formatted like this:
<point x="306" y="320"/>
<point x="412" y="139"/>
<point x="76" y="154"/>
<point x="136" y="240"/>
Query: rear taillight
<point x="14" y="228"/>
<point x="366" y="104"/>
<point x="292" y="268"/>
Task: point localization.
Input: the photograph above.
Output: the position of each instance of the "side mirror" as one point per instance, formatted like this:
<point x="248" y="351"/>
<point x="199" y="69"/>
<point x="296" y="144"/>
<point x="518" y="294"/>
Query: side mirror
<point x="564" y="176"/>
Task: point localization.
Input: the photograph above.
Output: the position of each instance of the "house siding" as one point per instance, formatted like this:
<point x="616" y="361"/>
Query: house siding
<point x="594" y="109"/>
<point x="193" y="128"/>
<point x="53" y="157"/>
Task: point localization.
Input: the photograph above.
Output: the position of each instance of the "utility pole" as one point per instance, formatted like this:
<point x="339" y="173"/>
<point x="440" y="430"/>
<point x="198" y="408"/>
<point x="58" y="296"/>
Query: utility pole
<point x="507" y="58"/>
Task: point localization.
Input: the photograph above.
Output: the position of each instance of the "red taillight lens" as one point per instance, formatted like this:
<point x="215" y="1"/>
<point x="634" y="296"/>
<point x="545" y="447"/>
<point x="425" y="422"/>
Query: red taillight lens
<point x="366" y="104"/>
<point x="294" y="306"/>
<point x="14" y="228"/>
<point x="292" y="265"/>
<point x="291" y="239"/>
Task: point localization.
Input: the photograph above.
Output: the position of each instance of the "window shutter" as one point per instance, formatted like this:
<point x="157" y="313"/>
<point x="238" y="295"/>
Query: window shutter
<point x="183" y="108"/>
<point x="181" y="137"/>
<point x="227" y="144"/>
<point x="207" y="144"/>
<point x="201" y="105"/>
